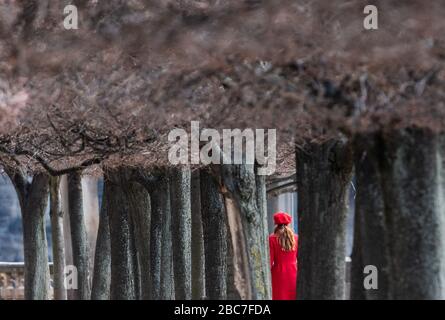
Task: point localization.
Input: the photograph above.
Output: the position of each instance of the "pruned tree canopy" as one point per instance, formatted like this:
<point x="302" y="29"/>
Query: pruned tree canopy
<point x="133" y="70"/>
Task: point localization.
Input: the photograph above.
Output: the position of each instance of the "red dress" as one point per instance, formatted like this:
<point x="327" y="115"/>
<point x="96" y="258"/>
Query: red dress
<point x="284" y="270"/>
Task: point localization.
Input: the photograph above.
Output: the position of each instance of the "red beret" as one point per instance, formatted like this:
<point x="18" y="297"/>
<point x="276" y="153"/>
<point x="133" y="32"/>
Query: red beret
<point x="282" y="218"/>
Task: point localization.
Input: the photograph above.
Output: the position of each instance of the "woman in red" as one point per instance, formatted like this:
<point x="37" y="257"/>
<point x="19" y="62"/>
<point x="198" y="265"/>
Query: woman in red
<point x="283" y="245"/>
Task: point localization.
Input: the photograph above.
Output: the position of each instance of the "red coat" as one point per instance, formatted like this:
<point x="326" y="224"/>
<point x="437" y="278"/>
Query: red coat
<point x="283" y="265"/>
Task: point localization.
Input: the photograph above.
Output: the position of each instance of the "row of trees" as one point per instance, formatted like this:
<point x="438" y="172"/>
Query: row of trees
<point x="148" y="238"/>
<point x="177" y="233"/>
<point x="344" y="103"/>
<point x="399" y="224"/>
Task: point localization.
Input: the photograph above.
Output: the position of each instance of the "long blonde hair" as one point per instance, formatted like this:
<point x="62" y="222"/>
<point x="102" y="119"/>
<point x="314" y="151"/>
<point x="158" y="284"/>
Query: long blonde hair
<point x="286" y="237"/>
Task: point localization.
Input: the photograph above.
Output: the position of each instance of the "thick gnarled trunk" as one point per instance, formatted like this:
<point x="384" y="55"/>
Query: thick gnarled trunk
<point x="371" y="240"/>
<point x="246" y="228"/>
<point x="323" y="176"/>
<point x="123" y="286"/>
<point x="412" y="180"/>
<point x="33" y="198"/>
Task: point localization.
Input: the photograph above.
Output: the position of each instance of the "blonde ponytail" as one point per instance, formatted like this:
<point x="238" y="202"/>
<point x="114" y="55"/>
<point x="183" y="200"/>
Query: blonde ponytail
<point x="286" y="237"/>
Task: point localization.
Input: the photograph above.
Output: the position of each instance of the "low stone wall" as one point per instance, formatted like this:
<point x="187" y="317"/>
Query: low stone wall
<point x="12" y="280"/>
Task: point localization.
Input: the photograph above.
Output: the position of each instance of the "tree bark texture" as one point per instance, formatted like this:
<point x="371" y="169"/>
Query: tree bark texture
<point x="66" y="228"/>
<point x="160" y="238"/>
<point x="357" y="290"/>
<point x="90" y="199"/>
<point x="323" y="177"/>
<point x="58" y="240"/>
<point x="139" y="205"/>
<point x="372" y="241"/>
<point x="198" y="257"/>
<point x="215" y="236"/>
<point x="233" y="293"/>
<point x="181" y="219"/>
<point x="122" y="285"/>
<point x="412" y="181"/>
<point x="167" y="273"/>
<point x="79" y="238"/>
<point x="33" y="199"/>
<point x="102" y="255"/>
<point x="261" y="194"/>
<point x="246" y="224"/>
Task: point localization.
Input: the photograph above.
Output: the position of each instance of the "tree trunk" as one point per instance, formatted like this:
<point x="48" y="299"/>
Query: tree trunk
<point x="66" y="229"/>
<point x="33" y="198"/>
<point x="369" y="208"/>
<point x="323" y="176"/>
<point x="261" y="196"/>
<point x="357" y="290"/>
<point x="412" y="175"/>
<point x="215" y="236"/>
<point x="139" y="204"/>
<point x="58" y="240"/>
<point x="34" y="240"/>
<point x="232" y="275"/>
<point x="167" y="276"/>
<point x="246" y="224"/>
<point x="134" y="260"/>
<point x="198" y="258"/>
<point x="91" y="213"/>
<point x="122" y="268"/>
<point x="79" y="238"/>
<point x="159" y="198"/>
<point x="102" y="259"/>
<point x="160" y="238"/>
<point x="180" y="194"/>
